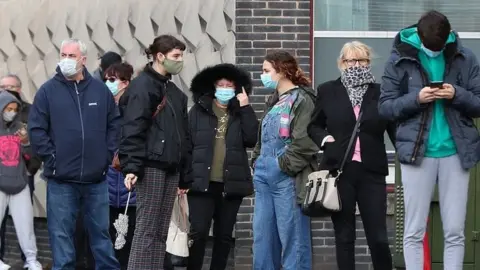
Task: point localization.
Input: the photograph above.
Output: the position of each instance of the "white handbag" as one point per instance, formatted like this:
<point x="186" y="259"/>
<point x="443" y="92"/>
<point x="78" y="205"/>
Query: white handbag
<point x="322" y="197"/>
<point x="322" y="192"/>
<point x="177" y="239"/>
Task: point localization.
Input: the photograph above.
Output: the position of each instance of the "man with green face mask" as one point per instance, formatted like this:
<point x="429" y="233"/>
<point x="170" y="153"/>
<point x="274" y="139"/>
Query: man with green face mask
<point x="155" y="148"/>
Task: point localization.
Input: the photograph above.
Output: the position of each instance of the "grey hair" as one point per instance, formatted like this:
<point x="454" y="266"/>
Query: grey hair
<point x="15" y="76"/>
<point x="81" y="44"/>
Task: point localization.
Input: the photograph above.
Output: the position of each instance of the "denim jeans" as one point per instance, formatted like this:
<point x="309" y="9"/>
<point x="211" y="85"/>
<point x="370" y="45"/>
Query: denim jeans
<point x="64" y="201"/>
<point x="281" y="232"/>
<point x="84" y="256"/>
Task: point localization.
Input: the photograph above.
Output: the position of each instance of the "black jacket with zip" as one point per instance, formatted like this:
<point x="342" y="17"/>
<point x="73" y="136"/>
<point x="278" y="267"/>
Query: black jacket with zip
<point x="242" y="128"/>
<point x="147" y="141"/>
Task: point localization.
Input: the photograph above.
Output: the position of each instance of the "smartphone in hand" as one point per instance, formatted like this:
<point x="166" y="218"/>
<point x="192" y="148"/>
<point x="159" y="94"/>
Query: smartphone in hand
<point x="436" y="84"/>
<point x="22" y="133"/>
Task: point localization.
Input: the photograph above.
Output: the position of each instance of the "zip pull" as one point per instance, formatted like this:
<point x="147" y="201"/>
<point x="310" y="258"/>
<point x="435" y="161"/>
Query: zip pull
<point x="76" y="88"/>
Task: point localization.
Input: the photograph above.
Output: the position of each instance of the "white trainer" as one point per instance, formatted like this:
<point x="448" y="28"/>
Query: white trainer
<point x="35" y="265"/>
<point x="4" y="266"/>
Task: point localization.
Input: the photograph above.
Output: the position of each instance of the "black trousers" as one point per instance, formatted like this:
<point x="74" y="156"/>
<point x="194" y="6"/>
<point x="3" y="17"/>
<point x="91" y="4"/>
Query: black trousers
<point x="368" y="189"/>
<point x="204" y="207"/>
<point x="3" y="228"/>
<point x="123" y="254"/>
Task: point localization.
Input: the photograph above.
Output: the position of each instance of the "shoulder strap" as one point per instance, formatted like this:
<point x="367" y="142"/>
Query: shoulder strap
<point x="162" y="103"/>
<point x="160" y="106"/>
<point x="351" y="142"/>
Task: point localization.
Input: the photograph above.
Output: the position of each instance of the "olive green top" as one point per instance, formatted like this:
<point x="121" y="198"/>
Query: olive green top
<point x="219" y="149"/>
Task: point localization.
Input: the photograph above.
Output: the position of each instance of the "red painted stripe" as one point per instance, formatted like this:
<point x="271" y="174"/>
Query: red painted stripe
<point x="427" y="264"/>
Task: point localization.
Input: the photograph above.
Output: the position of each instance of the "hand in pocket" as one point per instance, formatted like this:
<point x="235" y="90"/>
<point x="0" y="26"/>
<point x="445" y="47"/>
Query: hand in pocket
<point x="277" y="162"/>
<point x="331" y="153"/>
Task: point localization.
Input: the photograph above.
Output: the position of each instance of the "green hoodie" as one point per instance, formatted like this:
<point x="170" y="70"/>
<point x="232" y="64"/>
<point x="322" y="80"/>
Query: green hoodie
<point x="440" y="141"/>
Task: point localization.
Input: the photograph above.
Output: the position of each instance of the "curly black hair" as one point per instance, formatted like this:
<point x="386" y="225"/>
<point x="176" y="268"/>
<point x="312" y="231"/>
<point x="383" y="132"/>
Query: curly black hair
<point x="203" y="84"/>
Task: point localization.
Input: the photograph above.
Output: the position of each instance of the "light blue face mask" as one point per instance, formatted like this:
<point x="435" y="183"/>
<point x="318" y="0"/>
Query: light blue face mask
<point x="223" y="95"/>
<point x="113" y="87"/>
<point x="431" y="53"/>
<point x="268" y="82"/>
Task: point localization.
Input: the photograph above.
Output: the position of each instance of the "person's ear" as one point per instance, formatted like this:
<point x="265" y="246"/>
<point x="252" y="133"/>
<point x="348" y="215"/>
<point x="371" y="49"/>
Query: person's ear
<point x="160" y="57"/>
<point x="83" y="60"/>
<point x="125" y="84"/>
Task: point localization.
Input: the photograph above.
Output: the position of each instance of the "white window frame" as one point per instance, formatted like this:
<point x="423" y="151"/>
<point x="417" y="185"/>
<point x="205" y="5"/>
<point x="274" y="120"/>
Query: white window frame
<point x="377" y="34"/>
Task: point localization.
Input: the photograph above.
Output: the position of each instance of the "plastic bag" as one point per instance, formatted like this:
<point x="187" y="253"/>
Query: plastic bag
<point x="177" y="239"/>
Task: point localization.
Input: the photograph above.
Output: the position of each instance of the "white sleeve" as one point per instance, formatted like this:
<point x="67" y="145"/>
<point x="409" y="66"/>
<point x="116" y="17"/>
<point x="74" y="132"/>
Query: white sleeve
<point x="325" y="139"/>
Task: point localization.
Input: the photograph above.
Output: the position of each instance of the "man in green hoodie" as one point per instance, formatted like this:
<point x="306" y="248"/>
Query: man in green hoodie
<point x="431" y="87"/>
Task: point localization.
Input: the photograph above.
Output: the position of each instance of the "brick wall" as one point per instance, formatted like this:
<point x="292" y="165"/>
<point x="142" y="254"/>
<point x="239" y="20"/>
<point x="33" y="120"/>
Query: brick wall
<point x="12" y="252"/>
<point x="266" y="25"/>
<point x="263" y="26"/>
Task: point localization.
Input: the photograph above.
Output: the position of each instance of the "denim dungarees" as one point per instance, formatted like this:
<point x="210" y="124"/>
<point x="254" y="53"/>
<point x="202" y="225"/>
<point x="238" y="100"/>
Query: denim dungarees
<point x="279" y="227"/>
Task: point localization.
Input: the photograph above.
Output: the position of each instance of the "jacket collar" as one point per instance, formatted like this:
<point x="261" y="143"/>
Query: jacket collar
<point x="154" y="74"/>
<point x="81" y="85"/>
<point x="273" y="98"/>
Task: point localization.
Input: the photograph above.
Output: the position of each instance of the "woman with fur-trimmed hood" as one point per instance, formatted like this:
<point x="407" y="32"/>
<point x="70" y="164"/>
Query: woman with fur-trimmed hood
<point x="222" y="125"/>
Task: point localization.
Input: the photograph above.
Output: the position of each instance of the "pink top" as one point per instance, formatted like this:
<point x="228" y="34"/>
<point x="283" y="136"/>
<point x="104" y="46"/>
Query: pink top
<point x="356" y="154"/>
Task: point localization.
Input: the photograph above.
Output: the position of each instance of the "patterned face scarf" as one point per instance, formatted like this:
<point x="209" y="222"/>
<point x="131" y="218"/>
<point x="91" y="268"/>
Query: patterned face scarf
<point x="356" y="80"/>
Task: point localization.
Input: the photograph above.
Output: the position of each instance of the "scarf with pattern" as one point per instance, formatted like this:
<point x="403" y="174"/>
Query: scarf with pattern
<point x="356" y="80"/>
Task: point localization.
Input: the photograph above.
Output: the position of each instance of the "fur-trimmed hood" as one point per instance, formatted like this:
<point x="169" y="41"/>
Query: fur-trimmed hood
<point x="203" y="84"/>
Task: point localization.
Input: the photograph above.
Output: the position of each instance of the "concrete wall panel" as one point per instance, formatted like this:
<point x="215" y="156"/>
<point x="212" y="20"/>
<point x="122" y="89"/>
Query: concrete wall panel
<point x="31" y="32"/>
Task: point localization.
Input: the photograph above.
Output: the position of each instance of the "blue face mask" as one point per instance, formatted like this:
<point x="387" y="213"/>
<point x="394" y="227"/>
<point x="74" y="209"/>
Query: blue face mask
<point x="268" y="82"/>
<point x="113" y="87"/>
<point x="431" y="53"/>
<point x="223" y="95"/>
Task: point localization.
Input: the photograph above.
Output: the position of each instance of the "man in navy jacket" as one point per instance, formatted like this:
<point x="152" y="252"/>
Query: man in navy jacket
<point x="72" y="128"/>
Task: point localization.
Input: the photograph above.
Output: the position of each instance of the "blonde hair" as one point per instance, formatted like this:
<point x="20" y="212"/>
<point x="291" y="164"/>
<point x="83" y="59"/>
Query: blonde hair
<point x="355" y="47"/>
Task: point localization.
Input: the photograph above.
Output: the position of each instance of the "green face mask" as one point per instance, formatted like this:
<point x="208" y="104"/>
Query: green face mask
<point x="173" y="67"/>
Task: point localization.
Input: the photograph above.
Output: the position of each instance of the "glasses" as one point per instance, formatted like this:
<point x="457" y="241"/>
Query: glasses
<point x="353" y="62"/>
<point x="9" y="87"/>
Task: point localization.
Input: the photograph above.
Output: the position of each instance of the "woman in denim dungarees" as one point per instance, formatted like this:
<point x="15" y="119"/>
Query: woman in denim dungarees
<point x="284" y="151"/>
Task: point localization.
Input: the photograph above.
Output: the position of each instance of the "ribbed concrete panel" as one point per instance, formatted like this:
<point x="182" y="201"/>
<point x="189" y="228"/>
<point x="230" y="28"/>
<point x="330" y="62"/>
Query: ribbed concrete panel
<point x="31" y="32"/>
